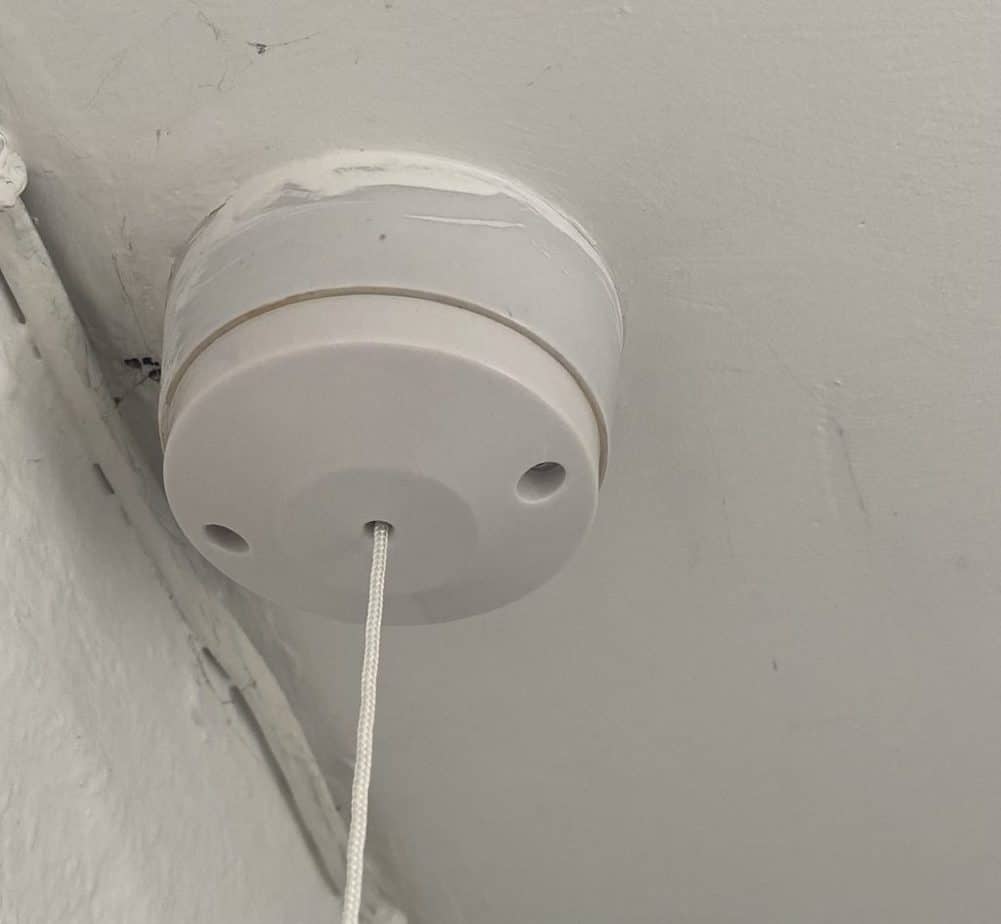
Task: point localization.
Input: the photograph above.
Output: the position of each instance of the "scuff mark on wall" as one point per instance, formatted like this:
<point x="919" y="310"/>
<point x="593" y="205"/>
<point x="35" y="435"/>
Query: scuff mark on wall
<point x="263" y="47"/>
<point x="844" y="489"/>
<point x="205" y="20"/>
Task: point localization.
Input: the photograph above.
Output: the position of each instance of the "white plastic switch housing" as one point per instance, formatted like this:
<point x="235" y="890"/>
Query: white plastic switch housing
<point x="388" y="337"/>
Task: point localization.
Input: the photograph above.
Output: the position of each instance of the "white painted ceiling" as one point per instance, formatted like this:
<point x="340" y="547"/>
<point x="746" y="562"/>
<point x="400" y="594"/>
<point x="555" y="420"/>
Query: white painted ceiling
<point x="769" y="686"/>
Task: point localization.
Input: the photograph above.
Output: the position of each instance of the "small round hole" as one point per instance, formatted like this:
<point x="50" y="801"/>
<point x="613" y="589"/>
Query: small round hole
<point x="225" y="538"/>
<point x="541" y="481"/>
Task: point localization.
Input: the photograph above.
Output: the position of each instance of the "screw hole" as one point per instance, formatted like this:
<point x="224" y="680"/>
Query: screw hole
<point x="226" y="539"/>
<point x="541" y="481"/>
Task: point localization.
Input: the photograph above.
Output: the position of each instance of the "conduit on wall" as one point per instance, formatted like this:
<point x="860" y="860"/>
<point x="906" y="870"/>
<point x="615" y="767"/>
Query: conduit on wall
<point x="56" y="330"/>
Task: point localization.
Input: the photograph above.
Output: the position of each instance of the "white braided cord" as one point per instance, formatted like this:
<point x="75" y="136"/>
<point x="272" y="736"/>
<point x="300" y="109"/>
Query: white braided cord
<point x="366" y="725"/>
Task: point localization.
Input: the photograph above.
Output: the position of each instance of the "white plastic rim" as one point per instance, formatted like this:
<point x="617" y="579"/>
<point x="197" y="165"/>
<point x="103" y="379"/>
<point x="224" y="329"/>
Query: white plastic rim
<point x="397" y="338"/>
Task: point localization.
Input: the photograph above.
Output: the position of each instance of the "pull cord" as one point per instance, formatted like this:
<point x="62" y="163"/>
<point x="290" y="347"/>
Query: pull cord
<point x="366" y="725"/>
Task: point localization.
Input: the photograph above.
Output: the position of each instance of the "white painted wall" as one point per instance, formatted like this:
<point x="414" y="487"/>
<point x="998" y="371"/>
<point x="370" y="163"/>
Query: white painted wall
<point x="768" y="688"/>
<point x="131" y="787"/>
